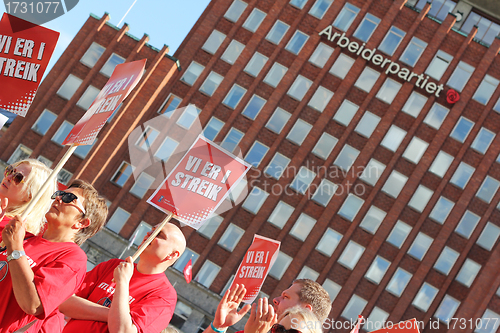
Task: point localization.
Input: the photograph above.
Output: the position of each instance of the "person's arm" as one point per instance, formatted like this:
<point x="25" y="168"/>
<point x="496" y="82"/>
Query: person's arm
<point x="20" y="271"/>
<point x="119" y="319"/>
<point x="262" y="318"/>
<point x="77" y="307"/>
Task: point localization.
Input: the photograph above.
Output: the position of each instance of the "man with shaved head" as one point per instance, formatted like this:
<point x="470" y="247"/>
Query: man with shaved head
<point x="119" y="296"/>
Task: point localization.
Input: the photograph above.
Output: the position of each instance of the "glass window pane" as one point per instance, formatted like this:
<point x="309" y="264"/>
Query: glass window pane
<point x="140" y="232"/>
<point x="281" y="214"/>
<point x="389" y="90"/>
<point x="280" y="265"/>
<point x="320" y="7"/>
<point x="393" y="138"/>
<point x="232" y="52"/>
<point x="213" y="128"/>
<point x="486" y="89"/>
<point x="376" y="320"/>
<point x="331" y="288"/>
<point x="354" y="308"/>
<point x="210" y="226"/>
<point x="462" y="129"/>
<point x="346" y="157"/>
<point x="207" y="273"/>
<point x="256" y="153"/>
<point x="489" y="236"/>
<point x="170" y="104"/>
<point x="298" y="3"/>
<point x="447" y="309"/>
<point x="234" y="96"/>
<point x="302" y="180"/>
<point x="92" y="55"/>
<point x="413" y="51"/>
<point x="424" y="297"/>
<point x="277" y="32"/>
<point x="438" y="65"/>
<point x="232" y="139"/>
<point x="278" y="120"/>
<point x="468" y="272"/>
<point x="346" y="17"/>
<point x="255" y="200"/>
<point x="351" y="255"/>
<point x="398" y="282"/>
<point x="420" y="245"/>
<point x="321" y="55"/>
<point x="446" y="260"/>
<point x="68" y="88"/>
<point x="441" y="163"/>
<point x="377" y="269"/>
<point x="324" y="146"/>
<point x="184" y="259"/>
<point x="367" y="79"/>
<point x="460" y="76"/>
<point x="366" y="27"/>
<point x="192" y="72"/>
<point x="372" y="172"/>
<point x="488" y="189"/>
<point x="122" y="174"/>
<point x="320" y="99"/>
<point x="462" y="175"/>
<point x="467" y="224"/>
<point x="483" y="140"/>
<point x="254" y="20"/>
<point x="341" y="66"/>
<point x="235" y="10"/>
<point x="22" y="152"/>
<point x="231" y="237"/>
<point x="441" y="210"/>
<point x="302" y="227"/>
<point x="414" y="104"/>
<point x="329" y="242"/>
<point x="108" y="68"/>
<point x="213" y="41"/>
<point x="147" y="138"/>
<point x="391" y="40"/>
<point x="490" y="322"/>
<point x="88" y="97"/>
<point x="373" y="219"/>
<point x="299" y="132"/>
<point x="299" y="87"/>
<point x="142" y="185"/>
<point x="256" y="64"/>
<point x="436" y="115"/>
<point x="277" y="166"/>
<point x="394" y="184"/>
<point x="166" y="149"/>
<point x="211" y="83"/>
<point x="367" y="124"/>
<point x="351" y="207"/>
<point x="62" y="132"/>
<point x="308" y="273"/>
<point x="325" y="192"/>
<point x="275" y="74"/>
<point x="253" y="107"/>
<point x="415" y="150"/>
<point x="420" y="198"/>
<point x="346" y="112"/>
<point x="398" y="234"/>
<point x="117" y="220"/>
<point x="43" y="123"/>
<point x="297" y="42"/>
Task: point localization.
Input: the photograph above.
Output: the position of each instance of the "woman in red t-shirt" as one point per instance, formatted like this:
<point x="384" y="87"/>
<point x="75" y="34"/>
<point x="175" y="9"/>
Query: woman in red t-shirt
<point x="20" y="183"/>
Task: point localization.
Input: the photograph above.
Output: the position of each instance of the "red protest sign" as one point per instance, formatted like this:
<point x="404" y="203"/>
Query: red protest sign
<point x="124" y="78"/>
<point x="25" y="50"/>
<point x="257" y="262"/>
<point x="198" y="184"/>
<point x="409" y="326"/>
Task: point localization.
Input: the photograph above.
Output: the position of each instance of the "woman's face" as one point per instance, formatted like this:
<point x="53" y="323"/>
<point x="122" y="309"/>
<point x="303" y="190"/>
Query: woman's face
<point x="292" y="321"/>
<point x="15" y="193"/>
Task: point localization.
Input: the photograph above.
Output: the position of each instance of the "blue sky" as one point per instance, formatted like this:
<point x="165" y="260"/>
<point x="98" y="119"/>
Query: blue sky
<point x="165" y="21"/>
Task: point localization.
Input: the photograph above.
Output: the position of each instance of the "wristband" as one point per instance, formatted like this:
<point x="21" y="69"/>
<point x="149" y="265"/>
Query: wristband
<point x="216" y="329"/>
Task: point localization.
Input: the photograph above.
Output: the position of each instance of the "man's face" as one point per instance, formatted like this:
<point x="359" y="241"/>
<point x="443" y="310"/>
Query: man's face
<point x="288" y="299"/>
<point x="163" y="244"/>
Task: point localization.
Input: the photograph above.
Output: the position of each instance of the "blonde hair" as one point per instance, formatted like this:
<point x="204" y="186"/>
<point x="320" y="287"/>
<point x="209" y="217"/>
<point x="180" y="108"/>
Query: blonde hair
<point x="39" y="173"/>
<point x="169" y="329"/>
<point x="311" y="323"/>
<point x="314" y="294"/>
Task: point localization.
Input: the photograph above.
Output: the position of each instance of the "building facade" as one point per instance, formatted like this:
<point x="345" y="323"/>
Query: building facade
<point x="372" y="128"/>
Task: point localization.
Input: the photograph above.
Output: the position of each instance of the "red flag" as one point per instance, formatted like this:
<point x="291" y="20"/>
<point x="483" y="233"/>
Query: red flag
<point x="356" y="328"/>
<point x="188" y="271"/>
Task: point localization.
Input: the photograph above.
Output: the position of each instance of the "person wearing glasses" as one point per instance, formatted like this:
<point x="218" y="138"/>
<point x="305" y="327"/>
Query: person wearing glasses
<point x="37" y="273"/>
<point x="20" y="183"/>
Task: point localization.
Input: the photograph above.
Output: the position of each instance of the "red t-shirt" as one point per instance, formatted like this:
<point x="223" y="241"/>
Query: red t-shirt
<point x="59" y="269"/>
<point x="152" y="299"/>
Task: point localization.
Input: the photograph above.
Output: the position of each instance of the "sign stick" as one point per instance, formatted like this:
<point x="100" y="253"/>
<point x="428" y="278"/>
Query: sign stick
<point x="151" y="237"/>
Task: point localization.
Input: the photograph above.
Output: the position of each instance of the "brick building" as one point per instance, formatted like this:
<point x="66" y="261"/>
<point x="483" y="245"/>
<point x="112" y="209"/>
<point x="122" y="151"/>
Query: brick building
<point x="380" y="185"/>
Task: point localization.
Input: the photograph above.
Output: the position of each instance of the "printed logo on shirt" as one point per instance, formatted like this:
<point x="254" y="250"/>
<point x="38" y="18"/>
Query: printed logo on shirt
<point x="4" y="269"/>
<point x="104" y="302"/>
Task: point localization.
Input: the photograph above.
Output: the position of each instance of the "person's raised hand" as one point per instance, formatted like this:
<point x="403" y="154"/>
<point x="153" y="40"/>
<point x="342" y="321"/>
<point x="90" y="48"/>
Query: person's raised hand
<point x="262" y="317"/>
<point x="227" y="313"/>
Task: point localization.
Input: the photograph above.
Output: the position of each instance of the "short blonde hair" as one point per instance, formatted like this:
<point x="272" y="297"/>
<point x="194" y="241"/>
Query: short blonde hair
<point x="169" y="329"/>
<point x="311" y="323"/>
<point x="39" y="173"/>
<point x="314" y="294"/>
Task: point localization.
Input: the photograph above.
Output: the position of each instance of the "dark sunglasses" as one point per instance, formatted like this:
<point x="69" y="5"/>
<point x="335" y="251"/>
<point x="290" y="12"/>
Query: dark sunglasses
<point x="17" y="177"/>
<point x="68" y="198"/>
<point x="277" y="328"/>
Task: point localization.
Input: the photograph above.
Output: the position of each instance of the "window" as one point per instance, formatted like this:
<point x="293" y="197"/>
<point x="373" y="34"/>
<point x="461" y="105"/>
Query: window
<point x="69" y="87"/>
<point x="424" y="297"/>
<point x="373" y="219"/>
<point x="256" y="64"/>
<point x="468" y="272"/>
<point x="92" y="55"/>
<point x="298" y="3"/>
<point x="462" y="175"/>
<point x="277" y="32"/>
<point x="329" y="242"/>
<point x="232" y="52"/>
<point x="170" y="104"/>
<point x="446" y="260"/>
<point x="487" y="30"/>
<point x="331" y="288"/>
<point x="486" y="89"/>
<point x="83" y="150"/>
<point x="441" y="164"/>
<point x="394" y="184"/>
<point x="414" y="104"/>
<point x="354" y="308"/>
<point x="145" y="141"/>
<point x="297" y="42"/>
<point x="398" y="234"/>
<point x="351" y="207"/>
<point x="346" y="157"/>
<point x="320" y="7"/>
<point x="413" y="51"/>
<point x="367" y="124"/>
<point x="490" y="320"/>
<point x="211" y="83"/>
<point x="439" y="8"/>
<point x="325" y="192"/>
<point x="462" y="129"/>
<point x="280" y="214"/>
<point x="447" y="309"/>
<point x="415" y="150"/>
<point x="256" y="154"/>
<point x="255" y="200"/>
<point x="467" y="224"/>
<point x="460" y="76"/>
<point x="299" y="87"/>
<point x="320" y="99"/>
<point x="280" y="265"/>
<point x="43" y="123"/>
<point x="302" y="180"/>
<point x="192" y="72"/>
<point x="308" y="273"/>
<point x="213" y="42"/>
<point x="366" y="27"/>
<point x="391" y="40"/>
<point x="166" y="149"/>
<point x="324" y="146"/>
<point x="299" y="132"/>
<point x="438" y="65"/>
<point x="207" y="273"/>
<point x="210" y="226"/>
<point x="488" y="189"/>
<point x="321" y="55"/>
<point x="441" y="210"/>
<point x="213" y="128"/>
<point x="235" y="193"/>
<point x="253" y="107"/>
<point x="64" y="176"/>
<point x="275" y="74"/>
<point x="44" y="160"/>
<point x="393" y="138"/>
<point x="111" y="63"/>
<point x="184" y="259"/>
<point x="140" y="232"/>
<point x="62" y="132"/>
<point x="232" y="139"/>
<point x="22" y="152"/>
<point x="483" y="140"/>
<point x="346" y="112"/>
<point x="88" y="97"/>
<point x="367" y="79"/>
<point x="142" y="185"/>
<point x="278" y="120"/>
<point x="351" y="255"/>
<point x="420" y="198"/>
<point x="372" y="172"/>
<point x="231" y="237"/>
<point x="489" y="236"/>
<point x="122" y="174"/>
<point x="277" y="166"/>
<point x="181" y="313"/>
<point x="235" y="10"/>
<point x="398" y="282"/>
<point x="436" y="115"/>
<point x="377" y="269"/>
<point x="302" y="227"/>
<point x="389" y="90"/>
<point x="345" y="17"/>
<point x="420" y="246"/>
<point x="234" y="96"/>
<point x="117" y="220"/>
<point x="341" y="66"/>
<point x="254" y="20"/>
<point x="376" y="320"/>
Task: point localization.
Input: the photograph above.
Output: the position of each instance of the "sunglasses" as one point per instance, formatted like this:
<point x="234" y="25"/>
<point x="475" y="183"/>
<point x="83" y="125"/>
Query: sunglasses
<point x="68" y="198"/>
<point x="17" y="177"/>
<point x="277" y="328"/>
